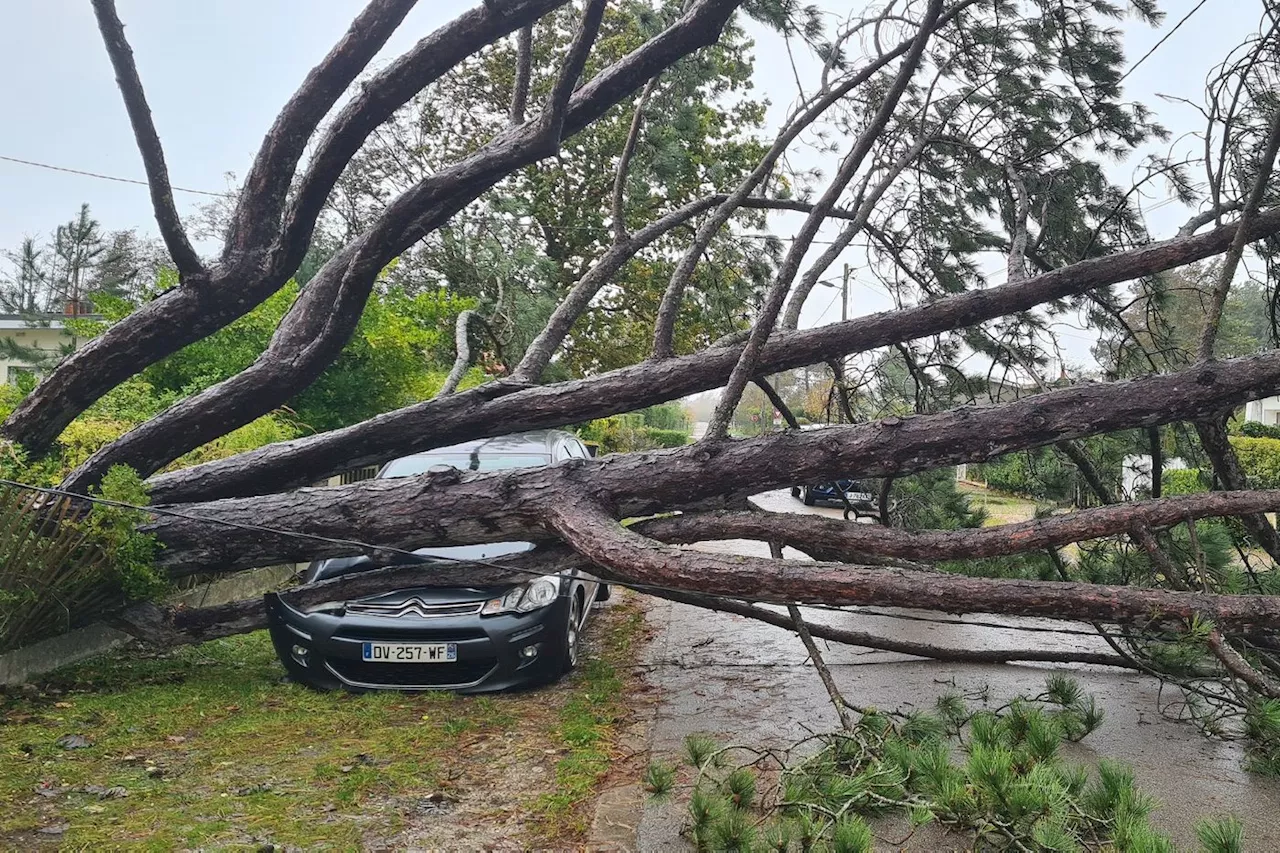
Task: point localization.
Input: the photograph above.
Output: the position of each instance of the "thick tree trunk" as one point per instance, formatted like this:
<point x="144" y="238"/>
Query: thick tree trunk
<point x="628" y="556"/>
<point x="511" y="407"/>
<point x="834" y="539"/>
<point x="452" y="508"/>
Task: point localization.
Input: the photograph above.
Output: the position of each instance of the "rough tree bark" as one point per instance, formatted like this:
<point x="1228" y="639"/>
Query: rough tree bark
<point x="444" y="507"/>
<point x="510" y="407"/>
<point x="236" y="513"/>
<point x="262" y="255"/>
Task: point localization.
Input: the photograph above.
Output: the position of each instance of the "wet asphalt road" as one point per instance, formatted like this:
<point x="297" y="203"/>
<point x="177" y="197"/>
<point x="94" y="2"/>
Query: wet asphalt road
<point x="746" y="682"/>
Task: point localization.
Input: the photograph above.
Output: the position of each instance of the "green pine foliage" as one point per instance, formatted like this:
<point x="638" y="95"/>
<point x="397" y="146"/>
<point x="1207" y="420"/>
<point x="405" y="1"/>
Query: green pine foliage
<point x="61" y="566"/>
<point x="659" y="779"/>
<point x="995" y="774"/>
<point x="931" y="501"/>
<point x="1262" y="725"/>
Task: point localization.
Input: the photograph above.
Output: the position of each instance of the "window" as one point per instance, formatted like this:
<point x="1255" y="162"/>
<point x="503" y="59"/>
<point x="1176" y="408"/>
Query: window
<point x="573" y="449"/>
<point x="19" y="375"/>
<point x="411" y="466"/>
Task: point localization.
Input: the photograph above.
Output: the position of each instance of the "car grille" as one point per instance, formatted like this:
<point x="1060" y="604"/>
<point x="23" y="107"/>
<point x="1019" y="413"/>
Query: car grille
<point x="414" y="674"/>
<point x="414" y="607"/>
<point x="406" y="632"/>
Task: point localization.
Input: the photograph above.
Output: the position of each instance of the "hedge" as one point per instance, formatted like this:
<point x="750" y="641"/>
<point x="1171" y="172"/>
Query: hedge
<point x="1187" y="481"/>
<point x="666" y="437"/>
<point x="1260" y="459"/>
<point x="1253" y="429"/>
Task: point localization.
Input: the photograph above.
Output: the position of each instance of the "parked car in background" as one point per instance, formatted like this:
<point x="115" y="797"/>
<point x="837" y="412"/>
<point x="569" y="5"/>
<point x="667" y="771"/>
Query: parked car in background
<point x="828" y="493"/>
<point x="861" y="501"/>
<point x="468" y="639"/>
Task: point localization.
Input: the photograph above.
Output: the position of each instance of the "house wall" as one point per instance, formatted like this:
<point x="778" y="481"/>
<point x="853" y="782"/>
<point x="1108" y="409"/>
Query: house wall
<point x="33" y="337"/>
<point x="1135" y="472"/>
<point x="1264" y="411"/>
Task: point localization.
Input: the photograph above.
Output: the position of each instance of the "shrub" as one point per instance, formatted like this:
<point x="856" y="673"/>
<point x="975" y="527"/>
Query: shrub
<point x="1253" y="429"/>
<point x="1037" y="474"/>
<point x="1187" y="481"/>
<point x="930" y="501"/>
<point x="667" y="416"/>
<point x="665" y="437"/>
<point x="1260" y="459"/>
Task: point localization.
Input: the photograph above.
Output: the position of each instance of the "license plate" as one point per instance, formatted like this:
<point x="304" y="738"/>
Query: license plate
<point x="410" y="652"/>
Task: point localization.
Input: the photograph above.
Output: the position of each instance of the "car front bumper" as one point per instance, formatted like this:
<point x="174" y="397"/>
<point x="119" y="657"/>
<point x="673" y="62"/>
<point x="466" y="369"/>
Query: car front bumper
<point x="324" y="650"/>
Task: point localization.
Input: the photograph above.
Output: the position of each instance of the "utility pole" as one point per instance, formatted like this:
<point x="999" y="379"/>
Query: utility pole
<point x="844" y="298"/>
<point x="844" y="315"/>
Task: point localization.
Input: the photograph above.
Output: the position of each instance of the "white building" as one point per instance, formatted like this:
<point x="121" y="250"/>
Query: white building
<point x="1264" y="411"/>
<point x="43" y="333"/>
<point x="1135" y="472"/>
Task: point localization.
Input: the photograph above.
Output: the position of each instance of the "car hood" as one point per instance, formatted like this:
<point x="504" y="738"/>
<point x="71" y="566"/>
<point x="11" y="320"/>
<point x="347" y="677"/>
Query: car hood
<point x="338" y="566"/>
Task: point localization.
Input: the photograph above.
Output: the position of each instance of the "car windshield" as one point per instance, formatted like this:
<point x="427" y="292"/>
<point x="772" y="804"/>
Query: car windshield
<point x="413" y="465"/>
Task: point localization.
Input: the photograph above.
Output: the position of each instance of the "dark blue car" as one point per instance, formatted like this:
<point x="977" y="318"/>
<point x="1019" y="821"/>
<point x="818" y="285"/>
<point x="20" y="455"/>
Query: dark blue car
<point x="466" y="639"/>
<point x="830" y="493"/>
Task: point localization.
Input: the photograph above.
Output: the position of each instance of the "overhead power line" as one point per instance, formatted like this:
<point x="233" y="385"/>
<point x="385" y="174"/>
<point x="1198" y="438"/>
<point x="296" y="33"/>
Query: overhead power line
<point x="1165" y="38"/>
<point x="101" y="177"/>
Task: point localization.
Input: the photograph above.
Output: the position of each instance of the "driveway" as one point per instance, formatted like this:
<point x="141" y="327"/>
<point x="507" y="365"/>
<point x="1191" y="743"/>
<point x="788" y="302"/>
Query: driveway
<point x="746" y="682"/>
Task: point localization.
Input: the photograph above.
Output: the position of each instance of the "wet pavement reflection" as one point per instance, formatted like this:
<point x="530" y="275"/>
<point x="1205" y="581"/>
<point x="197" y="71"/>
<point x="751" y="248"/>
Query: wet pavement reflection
<point x="746" y="682"/>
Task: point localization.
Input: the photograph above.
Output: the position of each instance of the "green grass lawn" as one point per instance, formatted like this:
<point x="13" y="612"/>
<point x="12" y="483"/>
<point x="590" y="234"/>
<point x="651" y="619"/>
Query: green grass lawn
<point x="207" y="746"/>
<point x="1001" y="508"/>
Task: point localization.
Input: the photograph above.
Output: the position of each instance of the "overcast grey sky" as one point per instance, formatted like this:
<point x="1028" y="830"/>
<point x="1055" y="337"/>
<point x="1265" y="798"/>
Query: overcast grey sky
<point x="216" y="72"/>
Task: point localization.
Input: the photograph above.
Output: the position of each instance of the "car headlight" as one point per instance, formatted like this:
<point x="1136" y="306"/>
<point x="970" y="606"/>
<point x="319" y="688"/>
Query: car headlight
<point x="525" y="597"/>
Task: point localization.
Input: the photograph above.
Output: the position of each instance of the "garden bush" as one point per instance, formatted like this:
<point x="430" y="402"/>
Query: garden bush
<point x="1187" y="481"/>
<point x="1253" y="429"/>
<point x="666" y="437"/>
<point x="1260" y="459"/>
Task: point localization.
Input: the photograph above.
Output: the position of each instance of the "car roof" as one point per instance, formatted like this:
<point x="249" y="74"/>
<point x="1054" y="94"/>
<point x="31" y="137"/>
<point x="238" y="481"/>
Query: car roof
<point x="535" y="441"/>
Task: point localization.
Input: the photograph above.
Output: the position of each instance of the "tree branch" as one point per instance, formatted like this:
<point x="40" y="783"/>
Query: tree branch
<point x="463" y="360"/>
<point x="891" y="644"/>
<point x="551" y="121"/>
<point x="748" y="361"/>
<point x="524" y="75"/>
<point x="1230" y="262"/>
<point x="256" y="221"/>
<point x="1202" y="219"/>
<point x="815" y="655"/>
<point x="625" y="555"/>
<point x="624" y="163"/>
<point x="164" y="626"/>
<point x="430" y="510"/>
<point x="184" y="256"/>
<point x="485" y="412"/>
<point x="775" y="399"/>
<point x="1017" y="266"/>
<point x="832" y="539"/>
<point x="1235" y="664"/>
